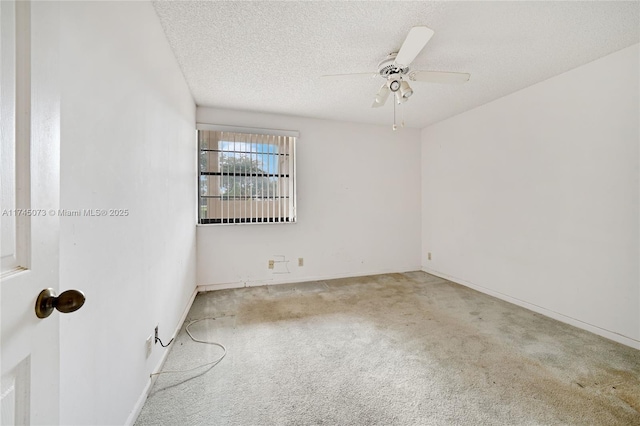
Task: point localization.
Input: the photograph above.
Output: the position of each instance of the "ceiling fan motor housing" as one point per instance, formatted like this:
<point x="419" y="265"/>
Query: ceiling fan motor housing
<point x="388" y="67"/>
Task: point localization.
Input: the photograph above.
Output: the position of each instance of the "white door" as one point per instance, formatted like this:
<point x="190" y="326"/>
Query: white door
<point x="29" y="185"/>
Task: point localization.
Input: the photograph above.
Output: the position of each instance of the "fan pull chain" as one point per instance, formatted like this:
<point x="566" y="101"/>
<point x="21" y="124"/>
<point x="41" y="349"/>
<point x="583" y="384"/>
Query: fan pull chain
<point x="395" y="127"/>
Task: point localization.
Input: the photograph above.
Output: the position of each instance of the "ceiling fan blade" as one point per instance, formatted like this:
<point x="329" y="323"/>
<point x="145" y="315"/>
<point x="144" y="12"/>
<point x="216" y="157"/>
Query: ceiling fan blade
<point x="371" y="74"/>
<point x="381" y="97"/>
<point x="413" y="44"/>
<point x="439" y="77"/>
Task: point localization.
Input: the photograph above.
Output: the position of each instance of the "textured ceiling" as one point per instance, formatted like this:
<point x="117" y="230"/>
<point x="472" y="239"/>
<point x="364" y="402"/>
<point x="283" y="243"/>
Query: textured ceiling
<point x="270" y="56"/>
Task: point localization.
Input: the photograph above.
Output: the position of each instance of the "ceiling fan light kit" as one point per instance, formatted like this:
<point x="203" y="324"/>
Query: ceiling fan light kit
<point x="405" y="90"/>
<point x="396" y="66"/>
<point x="394" y="85"/>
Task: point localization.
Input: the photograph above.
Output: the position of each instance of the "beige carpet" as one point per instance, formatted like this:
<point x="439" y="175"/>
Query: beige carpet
<point x="395" y="349"/>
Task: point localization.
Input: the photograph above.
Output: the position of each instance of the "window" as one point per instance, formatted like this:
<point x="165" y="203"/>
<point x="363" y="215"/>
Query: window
<point x="246" y="175"/>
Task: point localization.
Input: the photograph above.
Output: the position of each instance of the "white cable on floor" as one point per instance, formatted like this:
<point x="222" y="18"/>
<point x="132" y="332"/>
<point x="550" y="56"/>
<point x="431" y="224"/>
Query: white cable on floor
<point x="199" y="341"/>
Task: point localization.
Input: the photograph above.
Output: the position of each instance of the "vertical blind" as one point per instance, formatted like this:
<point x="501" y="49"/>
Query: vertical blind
<point x="246" y="177"/>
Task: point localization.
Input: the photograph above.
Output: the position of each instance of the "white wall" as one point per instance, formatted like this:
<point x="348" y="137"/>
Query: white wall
<point x="534" y="197"/>
<point x="358" y="207"/>
<point x="127" y="143"/>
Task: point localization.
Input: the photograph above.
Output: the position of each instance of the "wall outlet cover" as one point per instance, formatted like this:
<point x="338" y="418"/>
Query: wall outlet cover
<point x="149" y="344"/>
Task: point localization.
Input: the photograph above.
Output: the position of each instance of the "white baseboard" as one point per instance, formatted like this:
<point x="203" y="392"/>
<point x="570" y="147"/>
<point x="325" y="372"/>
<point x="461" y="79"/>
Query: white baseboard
<point x="284" y="280"/>
<point x="137" y="408"/>
<point x="611" y="335"/>
<point x="133" y="416"/>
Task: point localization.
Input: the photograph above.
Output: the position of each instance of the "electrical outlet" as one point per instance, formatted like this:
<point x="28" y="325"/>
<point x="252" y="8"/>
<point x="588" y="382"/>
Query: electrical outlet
<point x="149" y="345"/>
<point x="429" y="256"/>
<point x="271" y="262"/>
<point x="156" y="335"/>
<point x="300" y="261"/>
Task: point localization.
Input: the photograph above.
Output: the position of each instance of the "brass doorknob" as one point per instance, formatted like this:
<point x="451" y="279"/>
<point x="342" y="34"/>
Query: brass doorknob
<point x="68" y="301"/>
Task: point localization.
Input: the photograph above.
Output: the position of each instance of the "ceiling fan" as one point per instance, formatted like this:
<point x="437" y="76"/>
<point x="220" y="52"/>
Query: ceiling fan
<point x="396" y="70"/>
